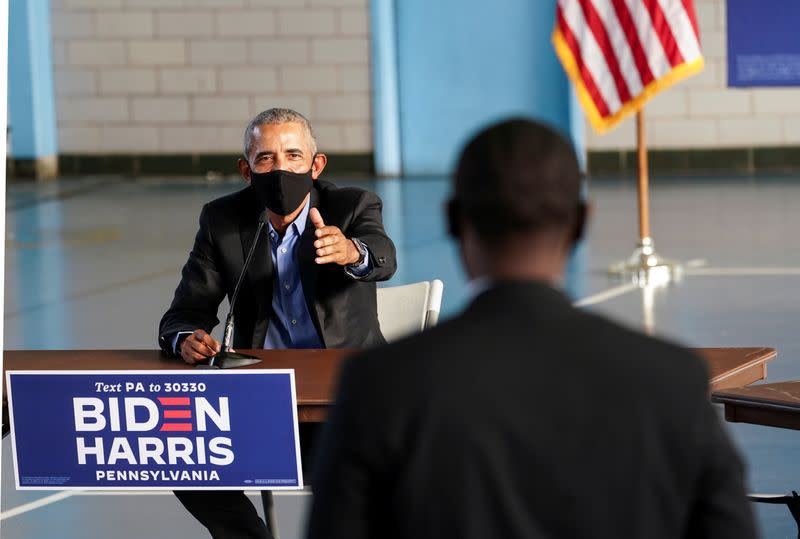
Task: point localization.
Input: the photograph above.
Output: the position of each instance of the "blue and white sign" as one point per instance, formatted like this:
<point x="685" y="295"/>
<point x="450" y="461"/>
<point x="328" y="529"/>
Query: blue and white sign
<point x="763" y="49"/>
<point x="155" y="430"/>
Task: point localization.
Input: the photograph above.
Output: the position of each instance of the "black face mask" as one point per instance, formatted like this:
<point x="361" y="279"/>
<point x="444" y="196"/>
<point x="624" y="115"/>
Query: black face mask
<point x="280" y="190"/>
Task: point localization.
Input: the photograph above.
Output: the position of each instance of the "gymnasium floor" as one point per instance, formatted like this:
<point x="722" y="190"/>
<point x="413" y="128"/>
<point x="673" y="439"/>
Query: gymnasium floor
<point x="92" y="263"/>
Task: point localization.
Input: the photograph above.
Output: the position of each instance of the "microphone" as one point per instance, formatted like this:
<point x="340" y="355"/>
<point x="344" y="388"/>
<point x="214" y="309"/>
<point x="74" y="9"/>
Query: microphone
<point x="227" y="359"/>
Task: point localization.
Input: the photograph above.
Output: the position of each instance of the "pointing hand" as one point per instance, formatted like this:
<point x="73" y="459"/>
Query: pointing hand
<point x="331" y="245"/>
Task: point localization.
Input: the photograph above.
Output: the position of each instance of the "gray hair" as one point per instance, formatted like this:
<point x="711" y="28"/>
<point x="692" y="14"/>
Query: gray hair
<point x="277" y="116"/>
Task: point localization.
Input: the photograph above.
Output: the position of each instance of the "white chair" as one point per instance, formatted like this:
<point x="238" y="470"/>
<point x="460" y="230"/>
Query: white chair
<point x="410" y="308"/>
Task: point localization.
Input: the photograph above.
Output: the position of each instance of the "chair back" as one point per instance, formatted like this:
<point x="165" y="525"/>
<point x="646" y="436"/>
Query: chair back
<point x="410" y="308"/>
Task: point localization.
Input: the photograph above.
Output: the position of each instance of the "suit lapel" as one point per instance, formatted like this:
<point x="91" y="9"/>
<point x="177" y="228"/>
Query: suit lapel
<point x="259" y="275"/>
<point x="308" y="268"/>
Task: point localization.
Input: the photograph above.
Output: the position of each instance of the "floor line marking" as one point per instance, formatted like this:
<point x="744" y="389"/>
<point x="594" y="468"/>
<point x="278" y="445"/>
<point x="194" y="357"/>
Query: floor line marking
<point x="36" y="504"/>
<point x="611" y="293"/>
<point x="695" y="263"/>
<point x="103" y="182"/>
<point x="83" y="294"/>
<point x="742" y="272"/>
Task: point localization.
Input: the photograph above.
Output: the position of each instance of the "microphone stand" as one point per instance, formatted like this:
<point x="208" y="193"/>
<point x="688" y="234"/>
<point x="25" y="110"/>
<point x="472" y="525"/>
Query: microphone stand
<point x="226" y="358"/>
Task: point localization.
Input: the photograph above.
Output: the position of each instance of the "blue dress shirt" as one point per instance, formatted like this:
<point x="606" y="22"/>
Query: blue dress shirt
<point x="290" y="325"/>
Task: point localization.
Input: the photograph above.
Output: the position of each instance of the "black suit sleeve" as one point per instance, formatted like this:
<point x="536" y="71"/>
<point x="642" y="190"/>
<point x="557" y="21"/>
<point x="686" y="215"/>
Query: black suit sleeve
<point x="346" y="477"/>
<point x="199" y="293"/>
<point x="367" y="226"/>
<point x="721" y="509"/>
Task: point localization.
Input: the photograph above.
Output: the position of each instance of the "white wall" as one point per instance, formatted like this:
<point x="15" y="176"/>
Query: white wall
<point x="185" y="76"/>
<point x="701" y="112"/>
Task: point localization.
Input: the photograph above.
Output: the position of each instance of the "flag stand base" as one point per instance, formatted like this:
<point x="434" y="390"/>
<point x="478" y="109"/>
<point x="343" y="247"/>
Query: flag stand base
<point x="645" y="268"/>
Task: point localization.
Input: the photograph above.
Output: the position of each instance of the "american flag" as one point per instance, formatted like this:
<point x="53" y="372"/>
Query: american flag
<point x="619" y="53"/>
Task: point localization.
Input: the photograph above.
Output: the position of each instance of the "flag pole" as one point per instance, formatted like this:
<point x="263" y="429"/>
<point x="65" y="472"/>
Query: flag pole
<point x="644" y="193"/>
<point x="645" y="268"/>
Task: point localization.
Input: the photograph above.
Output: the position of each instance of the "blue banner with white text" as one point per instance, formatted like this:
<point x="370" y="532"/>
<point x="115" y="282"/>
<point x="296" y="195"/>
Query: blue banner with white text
<point x="167" y="430"/>
<point x="763" y="48"/>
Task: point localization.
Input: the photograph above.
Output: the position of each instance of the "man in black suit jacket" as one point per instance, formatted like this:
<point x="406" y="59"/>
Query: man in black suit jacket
<point x="524" y="417"/>
<point x="310" y="284"/>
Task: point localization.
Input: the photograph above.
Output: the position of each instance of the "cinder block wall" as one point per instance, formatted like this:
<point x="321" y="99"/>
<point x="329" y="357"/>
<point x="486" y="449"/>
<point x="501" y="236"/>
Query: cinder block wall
<point x="701" y="112"/>
<point x="185" y="76"/>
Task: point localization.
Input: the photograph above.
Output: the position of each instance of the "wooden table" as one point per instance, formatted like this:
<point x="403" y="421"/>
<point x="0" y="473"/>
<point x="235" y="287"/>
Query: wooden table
<point x="772" y="405"/>
<point x="735" y="367"/>
<point x="316" y="370"/>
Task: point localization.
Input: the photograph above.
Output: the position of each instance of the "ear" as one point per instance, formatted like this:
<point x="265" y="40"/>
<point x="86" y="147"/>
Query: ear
<point x="453" y="216"/>
<point x="244" y="169"/>
<point x="318" y="163"/>
<point x="581" y="218"/>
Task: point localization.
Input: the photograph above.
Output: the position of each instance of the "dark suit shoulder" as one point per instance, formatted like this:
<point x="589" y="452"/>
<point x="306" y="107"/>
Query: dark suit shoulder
<point x="656" y="356"/>
<point x="404" y="356"/>
<point x="589" y="350"/>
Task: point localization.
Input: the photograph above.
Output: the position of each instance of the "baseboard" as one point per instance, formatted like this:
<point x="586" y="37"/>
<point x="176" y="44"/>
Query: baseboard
<point x="177" y="164"/>
<point x="41" y="168"/>
<point x="779" y="159"/>
<point x="730" y="160"/>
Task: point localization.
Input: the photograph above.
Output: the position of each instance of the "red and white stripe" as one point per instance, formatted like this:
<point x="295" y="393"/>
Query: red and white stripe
<point x="620" y="52"/>
<point x="184" y="412"/>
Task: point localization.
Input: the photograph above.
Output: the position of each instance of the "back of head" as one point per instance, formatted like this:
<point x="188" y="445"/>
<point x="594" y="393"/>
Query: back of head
<point x="514" y="178"/>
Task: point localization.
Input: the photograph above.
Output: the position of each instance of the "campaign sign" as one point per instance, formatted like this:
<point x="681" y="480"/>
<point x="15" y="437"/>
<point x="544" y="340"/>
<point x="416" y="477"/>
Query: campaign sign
<point x="763" y="49"/>
<point x="154" y="430"/>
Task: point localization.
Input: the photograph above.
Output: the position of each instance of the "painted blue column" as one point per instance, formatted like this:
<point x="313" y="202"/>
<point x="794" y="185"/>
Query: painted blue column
<point x="442" y="70"/>
<point x="31" y="103"/>
<point x="575" y="272"/>
<point x="463" y="64"/>
<point x="385" y="113"/>
<point x="394" y="221"/>
<point x="3" y="119"/>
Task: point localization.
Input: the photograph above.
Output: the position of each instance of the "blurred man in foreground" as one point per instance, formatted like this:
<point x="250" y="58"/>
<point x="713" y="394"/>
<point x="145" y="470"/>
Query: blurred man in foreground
<point x="524" y="417"/>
